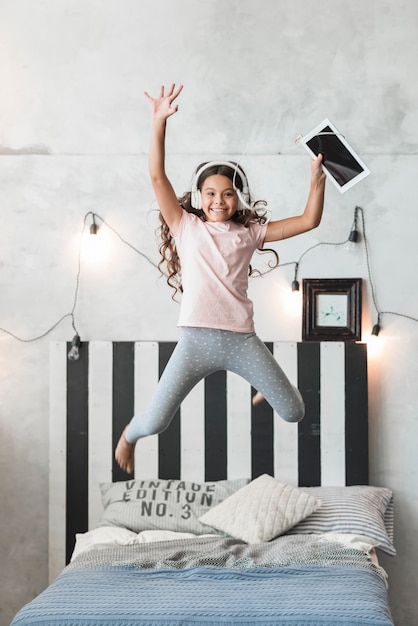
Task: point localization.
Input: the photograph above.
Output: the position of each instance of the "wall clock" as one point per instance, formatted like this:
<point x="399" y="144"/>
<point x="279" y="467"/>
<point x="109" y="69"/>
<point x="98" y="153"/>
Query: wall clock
<point x="331" y="309"/>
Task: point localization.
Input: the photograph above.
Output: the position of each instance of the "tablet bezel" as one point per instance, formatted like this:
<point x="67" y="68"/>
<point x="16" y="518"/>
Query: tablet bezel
<point x="356" y="179"/>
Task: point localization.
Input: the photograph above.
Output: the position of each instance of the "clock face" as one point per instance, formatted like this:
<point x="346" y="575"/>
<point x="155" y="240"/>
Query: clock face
<point x="331" y="309"/>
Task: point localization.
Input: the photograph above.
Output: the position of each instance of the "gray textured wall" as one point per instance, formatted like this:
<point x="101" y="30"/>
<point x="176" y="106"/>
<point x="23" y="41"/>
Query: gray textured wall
<point x="73" y="138"/>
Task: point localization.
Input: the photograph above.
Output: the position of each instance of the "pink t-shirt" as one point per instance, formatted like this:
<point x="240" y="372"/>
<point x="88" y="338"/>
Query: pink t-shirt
<point x="214" y="259"/>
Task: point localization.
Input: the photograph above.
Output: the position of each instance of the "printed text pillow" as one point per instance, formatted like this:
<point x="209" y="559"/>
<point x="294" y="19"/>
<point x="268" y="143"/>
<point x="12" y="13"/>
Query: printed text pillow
<point x="163" y="504"/>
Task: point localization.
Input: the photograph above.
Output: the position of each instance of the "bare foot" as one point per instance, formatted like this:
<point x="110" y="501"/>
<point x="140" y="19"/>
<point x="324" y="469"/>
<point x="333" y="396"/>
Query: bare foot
<point x="124" y="454"/>
<point x="257" y="398"/>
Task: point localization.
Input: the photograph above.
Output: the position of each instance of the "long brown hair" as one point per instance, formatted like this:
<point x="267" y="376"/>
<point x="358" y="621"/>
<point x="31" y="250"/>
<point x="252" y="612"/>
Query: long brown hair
<point x="246" y="215"/>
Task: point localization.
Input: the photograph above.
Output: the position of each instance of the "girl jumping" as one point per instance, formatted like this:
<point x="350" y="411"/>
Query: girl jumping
<point x="208" y="238"/>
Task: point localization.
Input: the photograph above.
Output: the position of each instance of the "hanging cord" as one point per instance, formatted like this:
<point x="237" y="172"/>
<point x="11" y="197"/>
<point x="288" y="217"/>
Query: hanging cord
<point x="297" y="263"/>
<point x="75" y="299"/>
<point x="95" y="215"/>
<point x="369" y="271"/>
<point x="8" y="332"/>
<point x="71" y="314"/>
<point x="366" y="249"/>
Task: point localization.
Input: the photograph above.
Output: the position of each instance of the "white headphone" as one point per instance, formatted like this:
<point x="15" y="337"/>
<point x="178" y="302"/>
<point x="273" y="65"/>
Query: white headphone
<point x="243" y="195"/>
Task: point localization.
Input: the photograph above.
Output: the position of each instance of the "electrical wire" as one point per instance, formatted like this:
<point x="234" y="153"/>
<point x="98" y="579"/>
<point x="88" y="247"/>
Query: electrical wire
<point x="8" y="332"/>
<point x="124" y="240"/>
<point x="71" y="314"/>
<point x="379" y="312"/>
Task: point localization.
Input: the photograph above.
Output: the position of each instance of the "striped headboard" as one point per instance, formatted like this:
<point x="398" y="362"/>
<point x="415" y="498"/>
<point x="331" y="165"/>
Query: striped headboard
<point x="216" y="434"/>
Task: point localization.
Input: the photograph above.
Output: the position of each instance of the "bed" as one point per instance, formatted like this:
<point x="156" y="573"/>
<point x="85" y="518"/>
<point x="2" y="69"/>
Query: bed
<point x="232" y="517"/>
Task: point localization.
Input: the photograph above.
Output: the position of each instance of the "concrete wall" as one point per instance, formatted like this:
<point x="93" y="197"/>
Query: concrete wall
<point x="73" y="134"/>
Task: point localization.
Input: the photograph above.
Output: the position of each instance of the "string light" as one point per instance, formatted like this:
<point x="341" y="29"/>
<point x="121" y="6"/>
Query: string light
<point x="295" y="282"/>
<point x="94" y="228"/>
<point x="95" y="244"/>
<point x="74" y="353"/>
<point x="353" y="237"/>
<point x="376" y="329"/>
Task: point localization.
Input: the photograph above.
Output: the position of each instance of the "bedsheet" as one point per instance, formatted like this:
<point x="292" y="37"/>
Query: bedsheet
<point x="291" y="581"/>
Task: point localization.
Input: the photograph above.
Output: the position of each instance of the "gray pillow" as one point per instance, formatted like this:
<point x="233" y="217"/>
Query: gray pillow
<point x="359" y="509"/>
<point x="157" y="504"/>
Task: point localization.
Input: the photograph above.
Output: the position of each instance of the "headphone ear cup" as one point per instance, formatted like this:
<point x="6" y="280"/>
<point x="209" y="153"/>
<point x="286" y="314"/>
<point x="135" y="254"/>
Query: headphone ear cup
<point x="196" y="198"/>
<point x="243" y="200"/>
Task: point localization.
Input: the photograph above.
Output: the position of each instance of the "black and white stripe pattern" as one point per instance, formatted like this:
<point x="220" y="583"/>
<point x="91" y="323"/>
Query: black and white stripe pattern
<point x="216" y="434"/>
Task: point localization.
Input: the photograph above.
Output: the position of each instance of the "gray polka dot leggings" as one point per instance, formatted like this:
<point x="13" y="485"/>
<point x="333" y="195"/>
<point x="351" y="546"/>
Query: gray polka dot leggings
<point x="201" y="351"/>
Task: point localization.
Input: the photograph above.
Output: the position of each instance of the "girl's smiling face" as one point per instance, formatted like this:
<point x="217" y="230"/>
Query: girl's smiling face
<point x="219" y="198"/>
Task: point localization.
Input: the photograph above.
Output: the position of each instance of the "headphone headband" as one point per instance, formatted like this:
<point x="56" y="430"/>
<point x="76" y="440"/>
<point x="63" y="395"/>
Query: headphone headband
<point x="243" y="195"/>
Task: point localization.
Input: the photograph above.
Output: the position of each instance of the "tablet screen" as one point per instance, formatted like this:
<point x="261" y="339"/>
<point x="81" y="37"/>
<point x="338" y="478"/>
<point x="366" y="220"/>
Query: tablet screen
<point x="340" y="161"/>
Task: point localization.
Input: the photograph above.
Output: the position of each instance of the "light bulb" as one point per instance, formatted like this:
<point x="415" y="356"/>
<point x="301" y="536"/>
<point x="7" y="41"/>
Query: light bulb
<point x="74" y="352"/>
<point x="95" y="245"/>
<point x="353" y="236"/>
<point x="295" y="285"/>
<point x="353" y="240"/>
<point x="293" y="304"/>
<point x="376" y="330"/>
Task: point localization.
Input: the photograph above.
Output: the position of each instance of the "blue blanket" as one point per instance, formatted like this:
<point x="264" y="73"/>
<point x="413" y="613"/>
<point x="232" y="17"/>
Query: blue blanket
<point x="208" y="582"/>
<point x="289" y="596"/>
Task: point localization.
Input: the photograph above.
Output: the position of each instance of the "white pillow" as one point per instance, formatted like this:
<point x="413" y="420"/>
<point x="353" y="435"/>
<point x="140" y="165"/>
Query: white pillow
<point x="103" y="535"/>
<point x="262" y="510"/>
<point x="106" y="536"/>
<point x="148" y="536"/>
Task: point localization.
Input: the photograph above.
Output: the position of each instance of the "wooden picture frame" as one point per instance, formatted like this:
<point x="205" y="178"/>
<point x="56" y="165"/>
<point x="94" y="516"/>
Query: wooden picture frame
<point x="331" y="309"/>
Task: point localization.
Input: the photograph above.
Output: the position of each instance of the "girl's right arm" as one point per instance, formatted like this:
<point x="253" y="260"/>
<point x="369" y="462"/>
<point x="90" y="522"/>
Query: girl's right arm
<point x="164" y="192"/>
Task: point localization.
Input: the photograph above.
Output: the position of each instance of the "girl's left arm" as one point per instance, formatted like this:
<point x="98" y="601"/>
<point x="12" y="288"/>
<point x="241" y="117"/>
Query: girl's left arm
<point x="311" y="217"/>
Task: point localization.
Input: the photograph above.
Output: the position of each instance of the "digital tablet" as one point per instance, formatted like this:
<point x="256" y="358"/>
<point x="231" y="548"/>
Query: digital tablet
<point x="341" y="164"/>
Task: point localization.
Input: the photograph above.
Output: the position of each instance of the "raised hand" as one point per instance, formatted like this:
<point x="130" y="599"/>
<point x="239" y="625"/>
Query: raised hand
<point x="162" y="109"/>
<point x="162" y="105"/>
